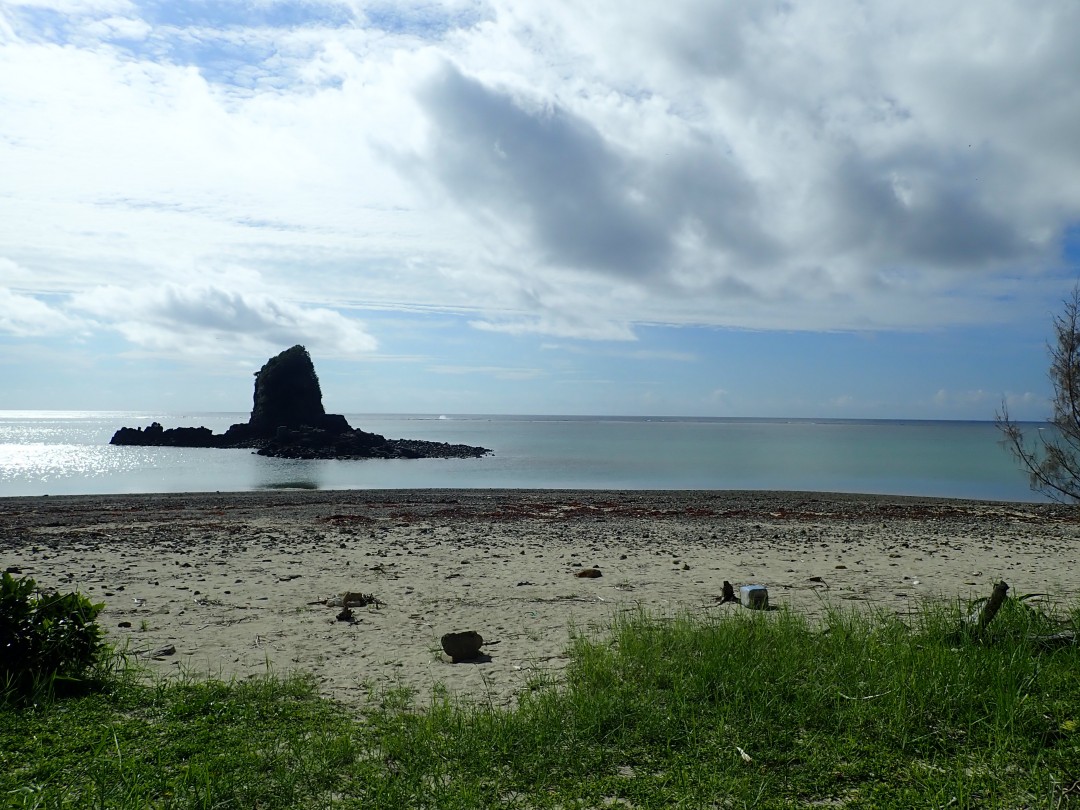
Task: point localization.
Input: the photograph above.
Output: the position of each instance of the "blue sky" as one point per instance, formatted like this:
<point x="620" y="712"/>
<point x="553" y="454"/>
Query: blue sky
<point x="702" y="208"/>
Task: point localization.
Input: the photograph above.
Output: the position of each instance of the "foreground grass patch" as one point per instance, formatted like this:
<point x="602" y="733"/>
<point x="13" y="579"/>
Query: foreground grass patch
<point x="265" y="743"/>
<point x="746" y="710"/>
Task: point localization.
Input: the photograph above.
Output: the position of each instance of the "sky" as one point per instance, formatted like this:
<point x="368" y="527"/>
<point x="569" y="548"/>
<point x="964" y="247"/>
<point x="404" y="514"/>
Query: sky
<point x="828" y="208"/>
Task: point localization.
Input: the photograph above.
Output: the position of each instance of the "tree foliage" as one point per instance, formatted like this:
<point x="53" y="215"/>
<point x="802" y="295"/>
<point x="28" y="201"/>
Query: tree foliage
<point x="1052" y="456"/>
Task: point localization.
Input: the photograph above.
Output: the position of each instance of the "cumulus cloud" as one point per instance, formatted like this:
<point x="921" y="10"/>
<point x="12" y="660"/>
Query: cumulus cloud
<point x="24" y="314"/>
<point x="826" y="163"/>
<point x="550" y="168"/>
<point x="205" y="318"/>
<point x="27" y="316"/>
<point x="543" y="170"/>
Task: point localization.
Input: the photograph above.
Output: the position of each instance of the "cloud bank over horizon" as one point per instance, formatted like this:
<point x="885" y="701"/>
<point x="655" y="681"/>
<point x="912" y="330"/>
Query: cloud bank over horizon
<point x="207" y="179"/>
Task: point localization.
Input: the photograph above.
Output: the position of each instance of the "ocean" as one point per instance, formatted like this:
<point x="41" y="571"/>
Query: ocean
<point x="68" y="453"/>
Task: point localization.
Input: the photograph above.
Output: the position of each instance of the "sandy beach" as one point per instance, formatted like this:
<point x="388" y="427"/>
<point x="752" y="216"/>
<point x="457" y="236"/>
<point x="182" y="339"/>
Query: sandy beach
<point x="228" y="585"/>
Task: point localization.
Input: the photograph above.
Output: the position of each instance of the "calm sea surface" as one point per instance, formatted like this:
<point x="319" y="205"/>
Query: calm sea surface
<point x="67" y="453"/>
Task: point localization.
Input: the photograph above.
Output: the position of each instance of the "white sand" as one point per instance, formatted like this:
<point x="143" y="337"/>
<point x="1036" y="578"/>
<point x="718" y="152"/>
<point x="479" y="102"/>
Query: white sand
<point x="230" y="580"/>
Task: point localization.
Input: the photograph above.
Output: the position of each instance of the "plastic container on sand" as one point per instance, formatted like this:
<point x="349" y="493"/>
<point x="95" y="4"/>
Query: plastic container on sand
<point x="755" y="597"/>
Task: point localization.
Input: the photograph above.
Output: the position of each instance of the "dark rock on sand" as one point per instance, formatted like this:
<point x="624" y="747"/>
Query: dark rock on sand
<point x="462" y="646"/>
<point x="288" y="421"/>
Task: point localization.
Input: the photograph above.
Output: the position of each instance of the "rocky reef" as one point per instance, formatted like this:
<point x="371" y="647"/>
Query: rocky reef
<point x="288" y="421"/>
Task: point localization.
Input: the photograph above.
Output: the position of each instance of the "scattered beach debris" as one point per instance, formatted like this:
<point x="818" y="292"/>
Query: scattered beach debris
<point x="357" y="599"/>
<point x="350" y="599"/>
<point x="464" y="646"/>
<point x="588" y="573"/>
<point x="161" y="652"/>
<point x="346" y="615"/>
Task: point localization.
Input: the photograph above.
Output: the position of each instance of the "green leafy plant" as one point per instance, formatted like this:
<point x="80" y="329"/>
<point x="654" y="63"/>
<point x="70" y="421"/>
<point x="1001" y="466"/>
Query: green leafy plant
<point x="45" y="637"/>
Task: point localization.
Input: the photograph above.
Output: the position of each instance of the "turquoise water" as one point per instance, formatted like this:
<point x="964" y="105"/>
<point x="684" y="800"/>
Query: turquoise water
<point x="66" y="453"/>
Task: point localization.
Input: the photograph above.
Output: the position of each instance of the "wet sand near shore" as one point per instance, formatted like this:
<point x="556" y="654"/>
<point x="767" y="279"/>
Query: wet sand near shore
<point x="229" y="585"/>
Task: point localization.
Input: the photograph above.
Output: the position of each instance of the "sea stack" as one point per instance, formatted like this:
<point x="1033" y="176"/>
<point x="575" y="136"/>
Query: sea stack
<point x="288" y="421"/>
<point x="287" y="392"/>
<point x="287" y="395"/>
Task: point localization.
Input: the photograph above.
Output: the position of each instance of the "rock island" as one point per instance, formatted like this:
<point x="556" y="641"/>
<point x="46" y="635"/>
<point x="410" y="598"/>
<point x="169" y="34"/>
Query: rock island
<point x="288" y="421"/>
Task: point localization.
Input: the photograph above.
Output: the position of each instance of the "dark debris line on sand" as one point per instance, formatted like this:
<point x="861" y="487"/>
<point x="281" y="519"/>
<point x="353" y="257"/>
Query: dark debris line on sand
<point x="403" y="505"/>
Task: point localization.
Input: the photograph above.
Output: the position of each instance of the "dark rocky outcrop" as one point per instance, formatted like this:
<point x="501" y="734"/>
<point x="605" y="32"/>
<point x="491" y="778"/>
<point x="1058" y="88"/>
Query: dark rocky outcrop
<point x="154" y="435"/>
<point x="288" y="421"/>
<point x="307" y="442"/>
<point x="287" y="393"/>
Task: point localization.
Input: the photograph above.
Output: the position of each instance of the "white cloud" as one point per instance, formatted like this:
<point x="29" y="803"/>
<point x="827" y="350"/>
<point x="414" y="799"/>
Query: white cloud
<point x="206" y="318"/>
<point x="76" y="7"/>
<point x="550" y="168"/>
<point x="26" y="316"/>
<point x="1025" y="401"/>
<point x="119" y="28"/>
<point x="987" y="400"/>
<point x="497" y="372"/>
<point x="558" y="327"/>
<point x="631" y="354"/>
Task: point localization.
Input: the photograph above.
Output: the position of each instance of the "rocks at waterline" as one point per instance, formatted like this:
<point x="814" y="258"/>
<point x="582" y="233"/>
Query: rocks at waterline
<point x="288" y="421"/>
<point x="354" y="444"/>
<point x="154" y="435"/>
<point x="298" y="443"/>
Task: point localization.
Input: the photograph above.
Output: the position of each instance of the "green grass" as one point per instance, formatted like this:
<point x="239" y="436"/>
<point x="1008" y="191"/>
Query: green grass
<point x="854" y="710"/>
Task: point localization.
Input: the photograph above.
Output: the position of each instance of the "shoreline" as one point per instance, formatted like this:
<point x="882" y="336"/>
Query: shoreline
<point x="241" y="582"/>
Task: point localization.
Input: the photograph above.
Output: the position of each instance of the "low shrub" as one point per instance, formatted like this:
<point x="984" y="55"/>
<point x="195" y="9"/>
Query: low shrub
<point x="46" y="638"/>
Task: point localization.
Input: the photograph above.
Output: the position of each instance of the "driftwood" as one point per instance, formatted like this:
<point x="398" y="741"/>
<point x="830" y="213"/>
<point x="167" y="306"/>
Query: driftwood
<point x="981" y="618"/>
<point x="1065" y="638"/>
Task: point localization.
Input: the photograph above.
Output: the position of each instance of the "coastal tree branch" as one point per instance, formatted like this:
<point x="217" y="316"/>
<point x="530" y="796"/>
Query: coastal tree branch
<point x="1052" y="457"/>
